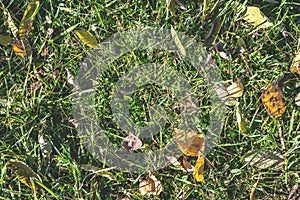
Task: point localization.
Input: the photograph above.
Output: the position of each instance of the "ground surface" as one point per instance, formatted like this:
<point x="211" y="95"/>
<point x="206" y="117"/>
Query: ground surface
<point x="25" y="112"/>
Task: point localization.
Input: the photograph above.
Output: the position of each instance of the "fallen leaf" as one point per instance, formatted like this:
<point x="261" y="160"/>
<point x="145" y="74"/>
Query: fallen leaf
<point x="236" y="89"/>
<point x="199" y="170"/>
<point x="71" y="79"/>
<point x="24" y="172"/>
<point x="178" y="42"/>
<point x="87" y="38"/>
<point x="45" y="145"/>
<point x="190" y="143"/>
<point x="5" y="40"/>
<point x="28" y="17"/>
<point x="254" y="16"/>
<point x="295" y="67"/>
<point x="241" y="121"/>
<point x="297" y="99"/>
<point x="99" y="171"/>
<point x="252" y="191"/>
<point x="294" y="194"/>
<point x="273" y="101"/>
<point x="131" y="143"/>
<point x="21" y="47"/>
<point x="264" y="159"/>
<point x="150" y="186"/>
<point x="187" y="165"/>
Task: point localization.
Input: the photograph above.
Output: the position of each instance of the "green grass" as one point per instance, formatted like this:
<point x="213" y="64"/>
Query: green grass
<point x="25" y="113"/>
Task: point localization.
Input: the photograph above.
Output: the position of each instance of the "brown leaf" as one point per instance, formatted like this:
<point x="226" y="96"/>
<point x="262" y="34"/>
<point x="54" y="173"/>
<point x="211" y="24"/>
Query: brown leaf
<point x="150" y="186"/>
<point x="21" y="47"/>
<point x="190" y="143"/>
<point x="187" y="165"/>
<point x="131" y="143"/>
<point x="294" y="195"/>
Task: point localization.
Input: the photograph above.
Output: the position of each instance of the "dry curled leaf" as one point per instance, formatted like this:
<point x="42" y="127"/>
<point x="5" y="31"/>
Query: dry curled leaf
<point x="294" y="194"/>
<point x="236" y="89"/>
<point x="264" y="159"/>
<point x="187" y="165"/>
<point x="87" y="38"/>
<point x="24" y="172"/>
<point x="150" y="186"/>
<point x="295" y="67"/>
<point x="21" y="47"/>
<point x="190" y="143"/>
<point x="199" y="170"/>
<point x="131" y="143"/>
<point x="273" y="100"/>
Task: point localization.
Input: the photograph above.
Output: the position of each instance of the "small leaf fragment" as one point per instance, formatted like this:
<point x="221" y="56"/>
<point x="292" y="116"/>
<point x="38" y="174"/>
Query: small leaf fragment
<point x="45" y="145"/>
<point x="24" y="172"/>
<point x="297" y="99"/>
<point x="178" y="42"/>
<point x="199" y="170"/>
<point x="150" y="186"/>
<point x="131" y="143"/>
<point x="87" y="38"/>
<point x="5" y="40"/>
<point x="236" y="89"/>
<point x="295" y="67"/>
<point x="256" y="17"/>
<point x="22" y="47"/>
<point x="28" y="17"/>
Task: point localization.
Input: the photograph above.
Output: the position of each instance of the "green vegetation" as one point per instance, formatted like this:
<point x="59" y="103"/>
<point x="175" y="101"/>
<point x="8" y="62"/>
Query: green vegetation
<point x="35" y="98"/>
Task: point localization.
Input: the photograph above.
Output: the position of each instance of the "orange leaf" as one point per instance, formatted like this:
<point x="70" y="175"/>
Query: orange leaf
<point x="273" y="101"/>
<point x="199" y="170"/>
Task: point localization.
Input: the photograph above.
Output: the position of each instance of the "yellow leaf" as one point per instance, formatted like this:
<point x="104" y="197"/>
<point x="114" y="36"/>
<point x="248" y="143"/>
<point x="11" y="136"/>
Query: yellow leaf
<point x="87" y="38"/>
<point x="24" y="172"/>
<point x="256" y="17"/>
<point x="5" y="40"/>
<point x="199" y="170"/>
<point x="28" y="16"/>
<point x="178" y="42"/>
